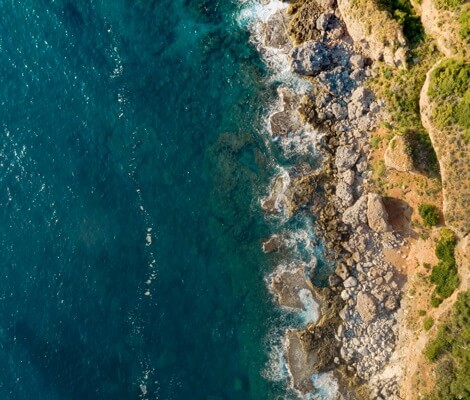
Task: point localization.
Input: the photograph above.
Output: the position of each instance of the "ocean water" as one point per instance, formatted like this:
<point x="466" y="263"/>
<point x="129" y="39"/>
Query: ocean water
<point x="131" y="165"/>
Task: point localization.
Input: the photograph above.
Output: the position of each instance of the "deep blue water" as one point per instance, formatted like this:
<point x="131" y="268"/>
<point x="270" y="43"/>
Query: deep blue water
<point x="119" y="117"/>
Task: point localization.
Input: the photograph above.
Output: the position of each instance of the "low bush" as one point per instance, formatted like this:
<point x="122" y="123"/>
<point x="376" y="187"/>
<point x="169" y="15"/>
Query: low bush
<point x="428" y="323"/>
<point x="451" y="350"/>
<point x="445" y="275"/>
<point x="429" y="214"/>
<point x="403" y="12"/>
<point x="450" y="89"/>
<point x="448" y="4"/>
<point x="464" y="21"/>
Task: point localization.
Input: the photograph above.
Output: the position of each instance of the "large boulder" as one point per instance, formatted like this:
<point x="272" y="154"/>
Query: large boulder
<point x="398" y="155"/>
<point x="346" y="157"/>
<point x="356" y="214"/>
<point x="374" y="30"/>
<point x="377" y="216"/>
<point x="366" y="307"/>
<point x="310" y="58"/>
<point x="274" y="31"/>
<point x="289" y="287"/>
<point x="309" y="352"/>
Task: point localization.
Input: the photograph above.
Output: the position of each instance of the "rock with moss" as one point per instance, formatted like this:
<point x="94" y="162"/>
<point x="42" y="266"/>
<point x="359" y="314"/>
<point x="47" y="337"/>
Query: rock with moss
<point x="398" y="155"/>
<point x="373" y="29"/>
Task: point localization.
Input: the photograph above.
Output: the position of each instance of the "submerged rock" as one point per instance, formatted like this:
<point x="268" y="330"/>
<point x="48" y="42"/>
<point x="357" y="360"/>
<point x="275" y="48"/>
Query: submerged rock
<point x="274" y="243"/>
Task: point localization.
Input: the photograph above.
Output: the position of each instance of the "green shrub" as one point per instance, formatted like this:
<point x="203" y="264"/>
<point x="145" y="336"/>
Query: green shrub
<point x="428" y="323"/>
<point x="445" y="275"/>
<point x="435" y="301"/>
<point x="436" y="347"/>
<point x="464" y="21"/>
<point x="445" y="248"/>
<point x="451" y="350"/>
<point x="422" y="313"/>
<point x="422" y="152"/>
<point x="448" y="4"/>
<point x="403" y="12"/>
<point x="375" y="142"/>
<point x="450" y="88"/>
<point x="429" y="214"/>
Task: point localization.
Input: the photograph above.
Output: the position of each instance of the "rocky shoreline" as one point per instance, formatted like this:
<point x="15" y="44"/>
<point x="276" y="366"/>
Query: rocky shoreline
<point x="356" y="331"/>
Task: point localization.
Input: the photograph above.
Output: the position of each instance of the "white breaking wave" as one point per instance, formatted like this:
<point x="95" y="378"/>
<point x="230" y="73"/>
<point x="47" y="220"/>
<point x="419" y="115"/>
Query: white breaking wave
<point x="253" y="17"/>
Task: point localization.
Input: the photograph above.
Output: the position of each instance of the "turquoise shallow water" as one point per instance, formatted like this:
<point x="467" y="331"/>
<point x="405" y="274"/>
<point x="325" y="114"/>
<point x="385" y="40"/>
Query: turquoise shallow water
<point x="124" y="123"/>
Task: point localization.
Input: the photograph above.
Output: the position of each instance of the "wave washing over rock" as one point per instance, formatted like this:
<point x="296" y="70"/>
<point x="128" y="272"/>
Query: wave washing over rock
<point x="343" y="348"/>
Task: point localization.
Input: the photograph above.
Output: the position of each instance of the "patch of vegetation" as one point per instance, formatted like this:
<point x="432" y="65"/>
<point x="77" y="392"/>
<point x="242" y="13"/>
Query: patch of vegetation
<point x="464" y="21"/>
<point x="403" y="12"/>
<point x="421" y="313"/>
<point x="401" y="88"/>
<point x="450" y="89"/>
<point x="435" y="301"/>
<point x="429" y="213"/>
<point x="448" y="4"/>
<point x="375" y="142"/>
<point x="450" y="349"/>
<point x="428" y="323"/>
<point x="423" y="154"/>
<point x="445" y="275"/>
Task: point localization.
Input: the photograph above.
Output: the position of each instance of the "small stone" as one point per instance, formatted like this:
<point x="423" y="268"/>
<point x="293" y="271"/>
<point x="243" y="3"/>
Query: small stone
<point x="357" y="61"/>
<point x="350" y="282"/>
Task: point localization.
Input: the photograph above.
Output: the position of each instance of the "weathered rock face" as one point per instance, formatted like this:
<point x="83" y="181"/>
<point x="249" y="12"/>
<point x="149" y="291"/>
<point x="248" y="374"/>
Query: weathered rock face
<point x="366" y="307"/>
<point x="346" y="157"/>
<point x="308" y="352"/>
<point x="286" y="121"/>
<point x="356" y="214"/>
<point x="310" y="58"/>
<point x="361" y="99"/>
<point x="274" y="31"/>
<point x="289" y="193"/>
<point x="377" y="216"/>
<point x="398" y="155"/>
<point x="288" y="286"/>
<point x="379" y="36"/>
<point x="274" y="243"/>
<point x="283" y="123"/>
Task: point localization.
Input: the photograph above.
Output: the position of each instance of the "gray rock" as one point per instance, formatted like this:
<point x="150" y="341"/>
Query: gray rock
<point x="377" y="216"/>
<point x="336" y="81"/>
<point x="339" y="110"/>
<point x="356" y="214"/>
<point x="310" y="58"/>
<point x="350" y="282"/>
<point x="274" y="31"/>
<point x="342" y="270"/>
<point x="346" y="157"/>
<point x="324" y="21"/>
<point x="344" y="193"/>
<point x="357" y="61"/>
<point x="361" y="100"/>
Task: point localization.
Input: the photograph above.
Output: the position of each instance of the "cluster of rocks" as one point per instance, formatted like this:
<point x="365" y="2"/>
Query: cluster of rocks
<point x="361" y="327"/>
